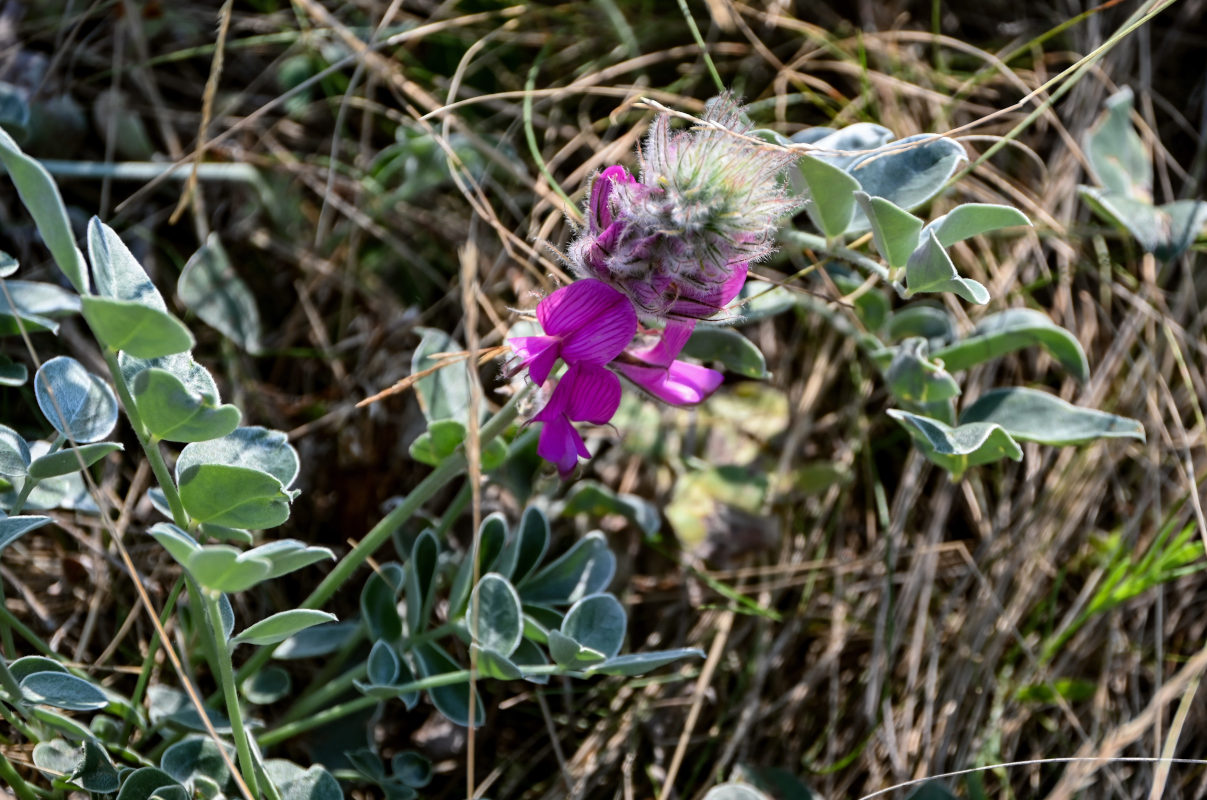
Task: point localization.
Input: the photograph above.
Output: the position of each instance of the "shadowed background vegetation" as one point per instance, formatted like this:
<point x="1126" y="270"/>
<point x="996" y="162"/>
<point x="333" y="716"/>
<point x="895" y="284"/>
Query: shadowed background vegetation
<point x="867" y="621"/>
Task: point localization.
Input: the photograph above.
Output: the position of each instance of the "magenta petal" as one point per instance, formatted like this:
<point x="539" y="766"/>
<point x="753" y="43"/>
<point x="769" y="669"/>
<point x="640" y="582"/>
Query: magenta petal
<point x="538" y="353"/>
<point x="669" y="345"/>
<point x="602" y="340"/>
<point x="575" y="306"/>
<point x="731" y="287"/>
<point x="680" y="384"/>
<point x="560" y="444"/>
<point x="594" y="394"/>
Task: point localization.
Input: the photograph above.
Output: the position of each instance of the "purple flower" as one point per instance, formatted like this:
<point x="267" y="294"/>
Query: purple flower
<point x="587" y="322"/>
<point x="586" y="393"/>
<point x="679" y="240"/>
<point x="656" y="369"/>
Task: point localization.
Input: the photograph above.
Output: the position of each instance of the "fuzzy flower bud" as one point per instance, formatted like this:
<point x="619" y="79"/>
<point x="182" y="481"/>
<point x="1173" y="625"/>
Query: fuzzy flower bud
<point x="678" y="240"/>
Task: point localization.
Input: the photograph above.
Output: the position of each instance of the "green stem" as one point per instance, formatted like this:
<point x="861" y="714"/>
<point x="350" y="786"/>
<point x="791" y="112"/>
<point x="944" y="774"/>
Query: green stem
<point x="712" y="68"/>
<point x="19" y="725"/>
<point x="148" y="664"/>
<point x="809" y="241"/>
<point x="149" y="446"/>
<point x="25" y="633"/>
<point x="8" y="682"/>
<point x="445" y="472"/>
<point x="226" y="679"/>
<point x="14" y="780"/>
<point x="6" y="633"/>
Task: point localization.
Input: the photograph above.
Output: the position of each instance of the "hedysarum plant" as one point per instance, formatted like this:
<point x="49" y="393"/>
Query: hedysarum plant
<point x="672" y="247"/>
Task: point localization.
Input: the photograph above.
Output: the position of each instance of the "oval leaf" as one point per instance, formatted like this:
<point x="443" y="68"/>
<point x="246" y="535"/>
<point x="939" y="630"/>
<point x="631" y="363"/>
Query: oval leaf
<point x="281" y="626"/>
<point x="1116" y="152"/>
<point x="1033" y="416"/>
<point x="13" y="528"/>
<point x="998" y="334"/>
<point x="95" y="771"/>
<point x="41" y="198"/>
<point x="597" y="622"/>
<point x="957" y="449"/>
<point x="62" y="690"/>
<point x="930" y="269"/>
<point x="77" y="403"/>
<point x="132" y="327"/>
<point x="585" y="569"/>
<point x="972" y="219"/>
<point x="289" y="555"/>
<point x="451" y="701"/>
<point x="735" y="351"/>
<point x="640" y="663"/>
<point x="907" y="172"/>
<point x="196" y="756"/>
<point x="267" y="685"/>
<point x="73" y="459"/>
<point x="212" y="289"/>
<point x="831" y="203"/>
<point x="174" y="413"/>
<point x="179" y="544"/>
<point x="252" y="447"/>
<point x="235" y="497"/>
<point x="894" y="230"/>
<point x="494" y="615"/>
<point x="222" y="568"/>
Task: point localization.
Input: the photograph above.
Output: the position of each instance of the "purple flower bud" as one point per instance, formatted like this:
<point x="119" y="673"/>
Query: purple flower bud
<point x="679" y="240"/>
<point x="656" y="369"/>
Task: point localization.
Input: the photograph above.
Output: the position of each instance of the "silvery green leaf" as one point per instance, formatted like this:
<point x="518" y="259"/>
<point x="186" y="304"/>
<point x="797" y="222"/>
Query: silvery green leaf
<point x="586" y="568"/>
<point x="34" y="307"/>
<point x="528" y="656"/>
<point x="383" y="665"/>
<point x="174" y="413"/>
<point x="14" y="109"/>
<point x="212" y="289"/>
<point x="844" y="146"/>
<point x="95" y="771"/>
<point x="41" y="198"/>
<point x="596" y="500"/>
<point x="233" y="497"/>
<point x="222" y="568"/>
<point x="13" y="528"/>
<point x="956" y="449"/>
<point x="1166" y="231"/>
<point x="452" y="701"/>
<point x="531" y="543"/>
<point x="266" y="686"/>
<point x="196" y="378"/>
<point x="77" y="403"/>
<point x="8" y="265"/>
<point x="894" y="230"/>
<point x="12" y="373"/>
<point x="735" y="351"/>
<point x="135" y="328"/>
<point x="179" y="544"/>
<point x="493" y="664"/>
<point x="197" y="756"/>
<point x="63" y="690"/>
<point x="491" y="541"/>
<point x="598" y="622"/>
<point x="144" y="783"/>
<point x="1016" y="328"/>
<point x="931" y="322"/>
<point x="930" y="269"/>
<point x="420" y="579"/>
<point x="1116" y="153"/>
<point x="1030" y="415"/>
<point x="252" y="447"/>
<point x="116" y="271"/>
<point x="569" y="653"/>
<point x="25" y="666"/>
<point x="379" y="602"/>
<point x="634" y="664"/>
<point x="280" y="626"/>
<point x="411" y="768"/>
<point x="289" y="555"/>
<point x="735" y="791"/>
<point x="907" y="172"/>
<point x="70" y="459"/>
<point x="226" y="613"/>
<point x="831" y="193"/>
<point x="913" y="378"/>
<point x="55" y="757"/>
<point x="972" y="219"/>
<point x="14" y="453"/>
<point x="320" y="640"/>
<point x="494" y="615"/>
<point x="445" y="393"/>
<point x="294" y="783"/>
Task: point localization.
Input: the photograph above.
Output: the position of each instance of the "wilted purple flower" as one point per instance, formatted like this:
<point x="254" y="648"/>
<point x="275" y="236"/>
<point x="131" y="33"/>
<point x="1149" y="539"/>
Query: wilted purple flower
<point x="657" y="370"/>
<point x="679" y="240"/>
<point x="587" y="322"/>
<point x="585" y="393"/>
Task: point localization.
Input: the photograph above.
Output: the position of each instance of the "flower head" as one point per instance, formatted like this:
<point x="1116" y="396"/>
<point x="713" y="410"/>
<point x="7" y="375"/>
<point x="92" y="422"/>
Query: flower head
<point x="678" y="240"/>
